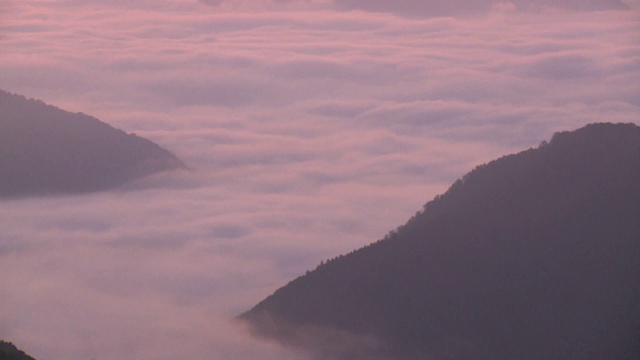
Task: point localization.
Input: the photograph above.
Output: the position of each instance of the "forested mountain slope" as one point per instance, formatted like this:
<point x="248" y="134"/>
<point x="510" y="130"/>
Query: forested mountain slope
<point x="532" y="256"/>
<point x="8" y="351"/>
<point x="46" y="150"/>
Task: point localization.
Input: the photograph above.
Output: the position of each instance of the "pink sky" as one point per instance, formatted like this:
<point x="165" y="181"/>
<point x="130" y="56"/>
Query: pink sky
<point x="314" y="129"/>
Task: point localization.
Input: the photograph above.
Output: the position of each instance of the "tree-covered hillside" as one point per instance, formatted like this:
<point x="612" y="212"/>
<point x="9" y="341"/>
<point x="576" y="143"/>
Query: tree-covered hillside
<point x="532" y="256"/>
<point x="8" y="351"/>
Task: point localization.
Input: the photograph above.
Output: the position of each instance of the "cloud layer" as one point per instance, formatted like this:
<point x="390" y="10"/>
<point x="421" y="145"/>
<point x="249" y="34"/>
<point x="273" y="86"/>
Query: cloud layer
<point x="312" y="131"/>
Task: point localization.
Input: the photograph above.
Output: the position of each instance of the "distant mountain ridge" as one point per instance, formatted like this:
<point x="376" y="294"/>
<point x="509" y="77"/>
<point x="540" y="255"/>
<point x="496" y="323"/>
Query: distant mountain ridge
<point x="532" y="256"/>
<point x="45" y="150"/>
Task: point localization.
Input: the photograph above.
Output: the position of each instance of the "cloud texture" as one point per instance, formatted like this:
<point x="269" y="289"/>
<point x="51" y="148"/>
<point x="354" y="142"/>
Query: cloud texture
<point x="312" y="130"/>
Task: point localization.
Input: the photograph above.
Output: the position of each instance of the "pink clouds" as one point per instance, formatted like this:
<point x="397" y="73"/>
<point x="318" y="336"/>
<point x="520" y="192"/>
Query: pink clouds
<point x="311" y="132"/>
<point x="430" y="8"/>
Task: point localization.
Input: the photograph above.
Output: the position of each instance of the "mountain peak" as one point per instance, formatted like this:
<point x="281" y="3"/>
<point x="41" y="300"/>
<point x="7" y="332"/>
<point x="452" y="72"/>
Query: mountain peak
<point x="531" y="256"/>
<point x="8" y="351"/>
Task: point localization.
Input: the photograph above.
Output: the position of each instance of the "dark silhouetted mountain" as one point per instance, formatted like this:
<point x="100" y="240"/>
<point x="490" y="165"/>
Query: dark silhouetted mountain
<point x="532" y="256"/>
<point x="8" y="351"/>
<point x="46" y="150"/>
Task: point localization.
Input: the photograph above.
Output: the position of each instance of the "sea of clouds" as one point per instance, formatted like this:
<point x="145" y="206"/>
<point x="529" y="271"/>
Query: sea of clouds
<point x="311" y="128"/>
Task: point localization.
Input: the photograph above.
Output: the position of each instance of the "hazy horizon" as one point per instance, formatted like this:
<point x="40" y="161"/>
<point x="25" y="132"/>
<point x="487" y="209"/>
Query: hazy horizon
<point x="313" y="129"/>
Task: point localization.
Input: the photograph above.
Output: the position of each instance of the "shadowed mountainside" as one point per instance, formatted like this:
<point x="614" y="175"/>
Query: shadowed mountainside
<point x="8" y="351"/>
<point x="45" y="150"/>
<point x="532" y="256"/>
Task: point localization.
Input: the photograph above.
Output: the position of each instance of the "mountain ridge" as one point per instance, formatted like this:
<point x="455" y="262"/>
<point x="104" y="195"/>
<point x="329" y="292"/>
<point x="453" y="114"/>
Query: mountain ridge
<point x="532" y="255"/>
<point x="45" y="150"/>
<point x="8" y="351"/>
